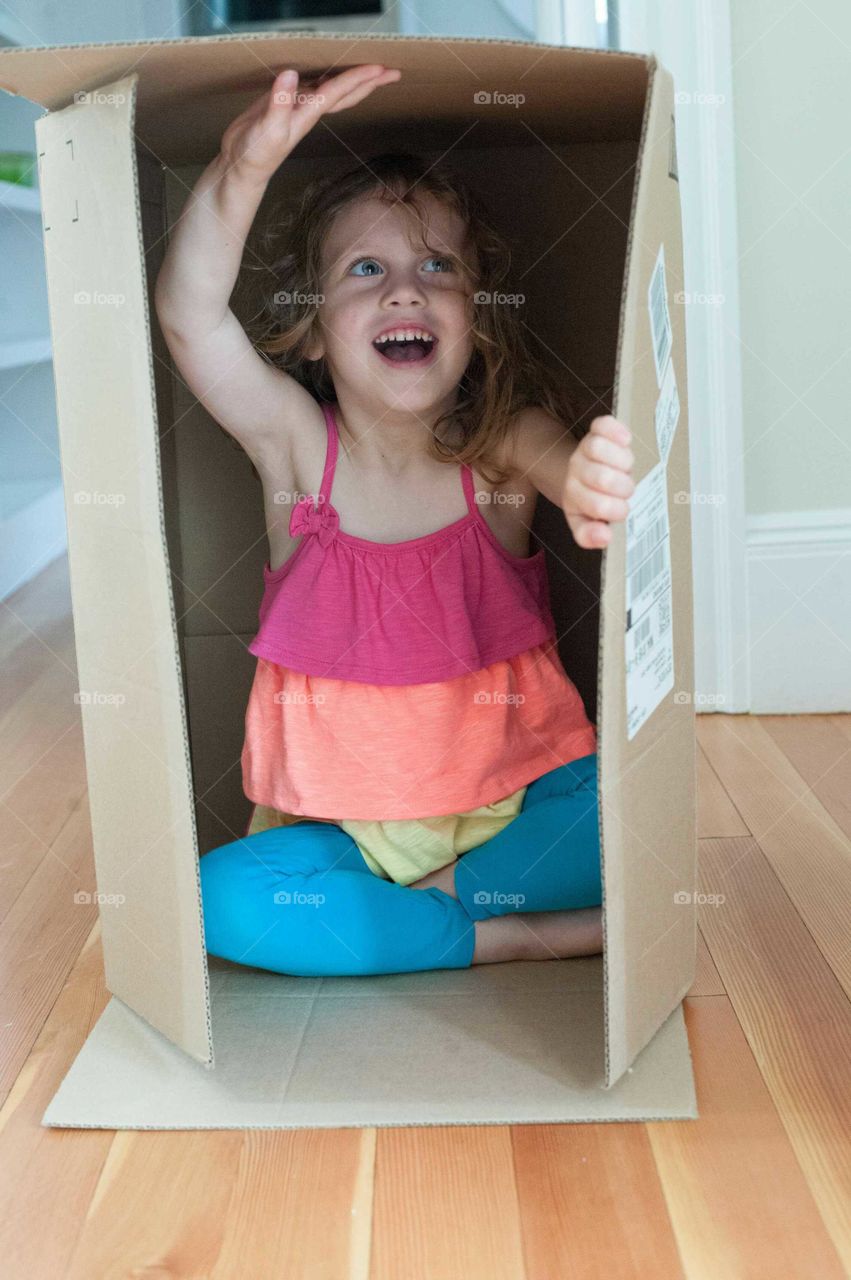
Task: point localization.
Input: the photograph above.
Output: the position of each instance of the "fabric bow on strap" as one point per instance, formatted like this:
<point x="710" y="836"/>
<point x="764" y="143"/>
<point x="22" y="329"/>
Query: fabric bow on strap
<point x="310" y="517"/>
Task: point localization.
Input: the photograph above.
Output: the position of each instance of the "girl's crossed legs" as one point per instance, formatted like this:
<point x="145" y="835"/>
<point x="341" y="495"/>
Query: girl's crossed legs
<point x="302" y="900"/>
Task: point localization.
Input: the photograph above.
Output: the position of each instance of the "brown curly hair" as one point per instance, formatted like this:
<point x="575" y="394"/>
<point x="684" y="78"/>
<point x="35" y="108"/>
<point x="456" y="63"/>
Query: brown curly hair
<point x="503" y="375"/>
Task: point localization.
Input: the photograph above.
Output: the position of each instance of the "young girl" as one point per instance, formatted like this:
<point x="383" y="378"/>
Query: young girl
<point x="422" y="768"/>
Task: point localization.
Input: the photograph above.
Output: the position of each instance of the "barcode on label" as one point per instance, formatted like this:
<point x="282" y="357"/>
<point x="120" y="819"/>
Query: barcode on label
<point x="646" y="572"/>
<point x="660" y="321"/>
<point x="647" y="540"/>
<point x="642" y="631"/>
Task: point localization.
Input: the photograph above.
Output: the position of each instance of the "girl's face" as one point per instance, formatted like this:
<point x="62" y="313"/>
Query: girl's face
<point x="377" y="278"/>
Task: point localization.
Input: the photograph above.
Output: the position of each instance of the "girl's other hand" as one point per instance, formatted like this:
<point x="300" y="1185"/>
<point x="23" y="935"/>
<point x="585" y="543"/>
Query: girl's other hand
<point x="599" y="482"/>
<point x="260" y="139"/>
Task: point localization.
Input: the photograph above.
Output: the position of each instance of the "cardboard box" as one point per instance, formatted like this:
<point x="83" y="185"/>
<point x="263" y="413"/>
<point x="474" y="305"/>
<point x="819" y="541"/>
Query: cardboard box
<point x="166" y="552"/>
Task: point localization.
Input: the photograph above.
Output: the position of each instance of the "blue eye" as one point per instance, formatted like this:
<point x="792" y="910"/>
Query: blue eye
<point x="362" y="261"/>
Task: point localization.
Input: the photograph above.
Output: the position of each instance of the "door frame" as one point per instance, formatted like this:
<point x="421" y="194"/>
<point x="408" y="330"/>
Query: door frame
<point x="693" y="41"/>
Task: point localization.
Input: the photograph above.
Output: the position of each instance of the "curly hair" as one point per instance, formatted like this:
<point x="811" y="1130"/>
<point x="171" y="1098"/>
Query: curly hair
<point x="503" y="375"/>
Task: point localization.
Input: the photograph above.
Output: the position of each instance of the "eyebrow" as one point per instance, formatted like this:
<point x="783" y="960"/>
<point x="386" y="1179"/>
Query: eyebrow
<point x="361" y="249"/>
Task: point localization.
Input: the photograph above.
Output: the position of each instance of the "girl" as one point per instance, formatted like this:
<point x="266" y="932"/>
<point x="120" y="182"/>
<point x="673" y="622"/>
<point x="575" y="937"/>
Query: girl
<point x="422" y="768"/>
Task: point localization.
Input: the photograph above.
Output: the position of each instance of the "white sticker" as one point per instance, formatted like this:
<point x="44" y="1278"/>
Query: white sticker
<point x="667" y="413"/>
<point x="660" y="320"/>
<point x="649" y="629"/>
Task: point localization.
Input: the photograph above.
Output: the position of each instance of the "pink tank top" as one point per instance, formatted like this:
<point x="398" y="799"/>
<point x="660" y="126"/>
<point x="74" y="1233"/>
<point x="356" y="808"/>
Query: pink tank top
<point x="398" y="613"/>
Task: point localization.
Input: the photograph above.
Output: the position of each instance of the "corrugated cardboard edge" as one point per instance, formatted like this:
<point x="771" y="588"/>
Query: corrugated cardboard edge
<point x="122" y="976"/>
<point x="619" y="1059"/>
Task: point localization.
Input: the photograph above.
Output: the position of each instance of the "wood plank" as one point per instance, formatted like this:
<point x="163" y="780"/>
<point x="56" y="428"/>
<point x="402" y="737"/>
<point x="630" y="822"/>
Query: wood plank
<point x="809" y="852"/>
<point x="707" y="979"/>
<point x="716" y="813"/>
<point x="446" y="1205"/>
<point x="821" y="753"/>
<point x="739" y="1203"/>
<point x="36" y="809"/>
<point x="50" y="1175"/>
<point x="41" y="939"/>
<point x="795" y="1015"/>
<point x="591" y="1203"/>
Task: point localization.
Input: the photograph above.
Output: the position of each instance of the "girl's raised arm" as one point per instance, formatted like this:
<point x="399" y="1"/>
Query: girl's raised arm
<point x="251" y="399"/>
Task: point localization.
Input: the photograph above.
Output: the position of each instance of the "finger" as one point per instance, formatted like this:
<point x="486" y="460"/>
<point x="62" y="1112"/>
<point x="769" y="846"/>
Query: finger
<point x="358" y="94"/>
<point x="330" y="92"/>
<point x="281" y="97"/>
<point x="612" y="428"/>
<point x="600" y="448"/>
<point x="591" y="533"/>
<point x="604" y="479"/>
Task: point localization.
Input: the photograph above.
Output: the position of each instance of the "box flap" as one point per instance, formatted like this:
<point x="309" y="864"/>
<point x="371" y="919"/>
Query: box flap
<point x="646" y="733"/>
<point x="134" y="722"/>
<point x="189" y="90"/>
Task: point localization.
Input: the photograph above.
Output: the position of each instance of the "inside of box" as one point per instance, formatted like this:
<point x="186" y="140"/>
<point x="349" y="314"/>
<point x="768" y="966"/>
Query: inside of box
<point x="565" y="214"/>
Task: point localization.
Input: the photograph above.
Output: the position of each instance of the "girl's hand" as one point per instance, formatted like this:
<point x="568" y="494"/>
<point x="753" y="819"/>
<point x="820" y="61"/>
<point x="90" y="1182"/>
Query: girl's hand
<point x="260" y="139"/>
<point x="598" y="482"/>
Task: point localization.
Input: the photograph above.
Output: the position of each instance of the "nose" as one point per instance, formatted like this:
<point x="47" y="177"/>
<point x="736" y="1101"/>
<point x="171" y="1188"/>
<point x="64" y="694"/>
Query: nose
<point x="403" y="288"/>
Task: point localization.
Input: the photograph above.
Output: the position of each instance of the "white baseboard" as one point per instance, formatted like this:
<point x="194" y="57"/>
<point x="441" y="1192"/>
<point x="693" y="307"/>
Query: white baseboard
<point x="799" y="611"/>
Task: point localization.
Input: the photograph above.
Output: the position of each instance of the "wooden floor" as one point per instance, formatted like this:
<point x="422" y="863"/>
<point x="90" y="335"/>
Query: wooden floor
<point x="759" y="1186"/>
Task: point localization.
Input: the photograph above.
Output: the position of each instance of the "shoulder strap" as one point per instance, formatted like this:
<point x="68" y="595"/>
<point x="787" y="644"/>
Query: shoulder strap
<point x="469" y="489"/>
<point x="330" y="453"/>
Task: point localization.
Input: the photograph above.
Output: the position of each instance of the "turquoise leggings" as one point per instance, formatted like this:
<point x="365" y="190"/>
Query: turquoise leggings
<point x="302" y="900"/>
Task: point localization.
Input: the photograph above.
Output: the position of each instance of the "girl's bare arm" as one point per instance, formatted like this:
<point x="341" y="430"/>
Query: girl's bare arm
<point x="253" y="401"/>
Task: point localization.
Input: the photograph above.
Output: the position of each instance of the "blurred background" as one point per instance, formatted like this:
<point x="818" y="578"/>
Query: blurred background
<point x="763" y="97"/>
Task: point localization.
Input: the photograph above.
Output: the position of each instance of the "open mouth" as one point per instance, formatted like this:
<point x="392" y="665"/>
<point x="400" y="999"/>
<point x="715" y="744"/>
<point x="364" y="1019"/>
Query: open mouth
<point x="406" y="350"/>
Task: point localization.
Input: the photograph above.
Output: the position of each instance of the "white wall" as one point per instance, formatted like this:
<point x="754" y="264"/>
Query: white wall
<point x="792" y="106"/>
